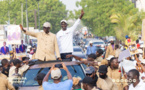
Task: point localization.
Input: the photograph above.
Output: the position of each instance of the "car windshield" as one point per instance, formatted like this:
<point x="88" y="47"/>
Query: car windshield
<point x="29" y="75"/>
<point x="77" y="50"/>
<point x="98" y="43"/>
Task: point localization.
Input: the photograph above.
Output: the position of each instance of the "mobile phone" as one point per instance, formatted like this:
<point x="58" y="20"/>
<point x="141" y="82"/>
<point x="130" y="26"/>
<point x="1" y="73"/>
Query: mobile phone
<point x="59" y="66"/>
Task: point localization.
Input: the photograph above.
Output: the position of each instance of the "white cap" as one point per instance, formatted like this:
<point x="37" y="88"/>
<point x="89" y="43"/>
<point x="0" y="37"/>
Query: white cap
<point x="63" y="21"/>
<point x="109" y="57"/>
<point x="111" y="39"/>
<point x="46" y="24"/>
<point x="90" y="42"/>
<point x="55" y="73"/>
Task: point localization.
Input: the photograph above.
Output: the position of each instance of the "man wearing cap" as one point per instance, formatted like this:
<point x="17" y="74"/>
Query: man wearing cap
<point x="56" y="76"/>
<point x="39" y="78"/>
<point x="103" y="74"/>
<point x="100" y="83"/>
<point x="110" y="49"/>
<point x="65" y="37"/>
<point x="47" y="43"/>
<point x="91" y="49"/>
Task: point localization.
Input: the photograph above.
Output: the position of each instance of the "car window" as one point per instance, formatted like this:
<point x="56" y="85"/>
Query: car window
<point x="77" y="50"/>
<point x="29" y="75"/>
<point x="98" y="42"/>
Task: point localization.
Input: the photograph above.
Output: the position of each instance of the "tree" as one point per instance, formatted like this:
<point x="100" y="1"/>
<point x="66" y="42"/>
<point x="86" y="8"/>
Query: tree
<point x="98" y="13"/>
<point x="52" y="11"/>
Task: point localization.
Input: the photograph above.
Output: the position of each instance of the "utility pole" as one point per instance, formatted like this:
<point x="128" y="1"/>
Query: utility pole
<point x="35" y="18"/>
<point x="27" y="23"/>
<point x="38" y="14"/>
<point x="22" y="14"/>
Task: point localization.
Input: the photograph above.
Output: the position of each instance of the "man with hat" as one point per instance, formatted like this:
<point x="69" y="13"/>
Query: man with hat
<point x="65" y="37"/>
<point x="91" y="49"/>
<point x="103" y="74"/>
<point x="110" y="49"/>
<point x="56" y="76"/>
<point x="47" y="43"/>
<point x="91" y="72"/>
<point x="39" y="78"/>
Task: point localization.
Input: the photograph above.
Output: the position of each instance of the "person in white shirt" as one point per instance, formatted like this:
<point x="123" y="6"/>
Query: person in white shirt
<point x="134" y="81"/>
<point x="65" y="37"/>
<point x="17" y="70"/>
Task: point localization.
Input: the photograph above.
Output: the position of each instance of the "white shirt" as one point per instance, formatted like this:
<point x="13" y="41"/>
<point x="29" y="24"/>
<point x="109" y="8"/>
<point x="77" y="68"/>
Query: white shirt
<point x="139" y="86"/>
<point x="65" y="38"/>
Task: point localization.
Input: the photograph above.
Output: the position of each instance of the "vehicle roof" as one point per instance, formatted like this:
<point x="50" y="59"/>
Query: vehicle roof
<point x="44" y="64"/>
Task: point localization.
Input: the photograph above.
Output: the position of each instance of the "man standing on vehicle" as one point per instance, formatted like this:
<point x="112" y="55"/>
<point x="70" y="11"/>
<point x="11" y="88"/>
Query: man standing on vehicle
<point x="47" y="43"/>
<point x="56" y="76"/>
<point x="65" y="37"/>
<point x="91" y="49"/>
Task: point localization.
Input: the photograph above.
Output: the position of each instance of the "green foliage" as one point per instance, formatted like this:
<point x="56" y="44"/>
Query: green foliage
<point x="98" y="13"/>
<point x="52" y="11"/>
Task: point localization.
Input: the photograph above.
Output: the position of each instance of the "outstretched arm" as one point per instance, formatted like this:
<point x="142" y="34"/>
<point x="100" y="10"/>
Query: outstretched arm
<point x="76" y="57"/>
<point x="33" y="34"/>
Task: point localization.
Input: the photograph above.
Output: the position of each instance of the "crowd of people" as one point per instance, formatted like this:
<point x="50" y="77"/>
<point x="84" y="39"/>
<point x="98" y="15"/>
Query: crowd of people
<point x="104" y="70"/>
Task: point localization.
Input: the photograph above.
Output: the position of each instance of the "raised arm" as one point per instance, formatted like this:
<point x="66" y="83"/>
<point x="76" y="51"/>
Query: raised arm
<point x="47" y="75"/>
<point x="78" y="21"/>
<point x="33" y="34"/>
<point x="67" y="71"/>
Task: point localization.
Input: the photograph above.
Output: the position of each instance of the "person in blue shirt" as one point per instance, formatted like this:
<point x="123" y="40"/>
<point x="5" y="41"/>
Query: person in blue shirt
<point x="91" y="49"/>
<point x="4" y="49"/>
<point x="56" y="76"/>
<point x="22" y="47"/>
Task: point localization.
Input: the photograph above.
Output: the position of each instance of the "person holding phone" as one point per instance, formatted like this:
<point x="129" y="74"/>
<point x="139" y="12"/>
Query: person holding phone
<point x="56" y="76"/>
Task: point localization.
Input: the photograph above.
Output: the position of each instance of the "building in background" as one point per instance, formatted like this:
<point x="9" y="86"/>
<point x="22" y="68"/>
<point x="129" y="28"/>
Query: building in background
<point x="140" y="4"/>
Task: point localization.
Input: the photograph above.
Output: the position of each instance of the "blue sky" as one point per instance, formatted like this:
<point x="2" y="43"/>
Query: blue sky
<point x="70" y="4"/>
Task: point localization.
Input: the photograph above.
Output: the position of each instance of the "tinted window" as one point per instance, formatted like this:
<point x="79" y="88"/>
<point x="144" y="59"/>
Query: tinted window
<point x="98" y="42"/>
<point x="75" y="70"/>
<point x="77" y="50"/>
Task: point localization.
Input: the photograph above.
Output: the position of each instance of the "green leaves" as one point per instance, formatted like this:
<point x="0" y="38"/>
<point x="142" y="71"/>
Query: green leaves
<point x="98" y="15"/>
<point x="52" y="11"/>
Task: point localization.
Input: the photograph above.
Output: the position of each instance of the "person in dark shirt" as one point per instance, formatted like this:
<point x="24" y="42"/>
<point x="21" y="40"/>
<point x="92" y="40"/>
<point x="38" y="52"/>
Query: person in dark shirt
<point x="6" y="67"/>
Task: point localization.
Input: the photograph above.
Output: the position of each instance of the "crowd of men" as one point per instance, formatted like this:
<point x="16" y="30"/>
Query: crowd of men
<point x="102" y="73"/>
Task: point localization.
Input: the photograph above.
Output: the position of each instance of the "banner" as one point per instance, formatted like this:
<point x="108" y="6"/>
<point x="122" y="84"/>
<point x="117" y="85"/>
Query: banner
<point x="124" y="54"/>
<point x="13" y="34"/>
<point x="143" y="30"/>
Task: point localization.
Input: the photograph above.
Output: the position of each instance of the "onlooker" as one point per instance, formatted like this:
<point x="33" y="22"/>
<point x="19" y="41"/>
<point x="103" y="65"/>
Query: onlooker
<point x="135" y="83"/>
<point x="56" y="76"/>
<point x="88" y="84"/>
<point x="117" y="51"/>
<point x="99" y="55"/>
<point x="91" y="49"/>
<point x="39" y="78"/>
<point x="103" y="74"/>
<point x="1" y="74"/>
<point x="17" y="69"/>
<point x="4" y="49"/>
<point x="137" y="44"/>
<point x="65" y="37"/>
<point x="47" y="43"/>
<point x="100" y="83"/>
<point x="6" y="67"/>
<point x="11" y="63"/>
<point x="5" y="85"/>
<point x="22" y="47"/>
<point x="115" y="74"/>
<point x="110" y="49"/>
